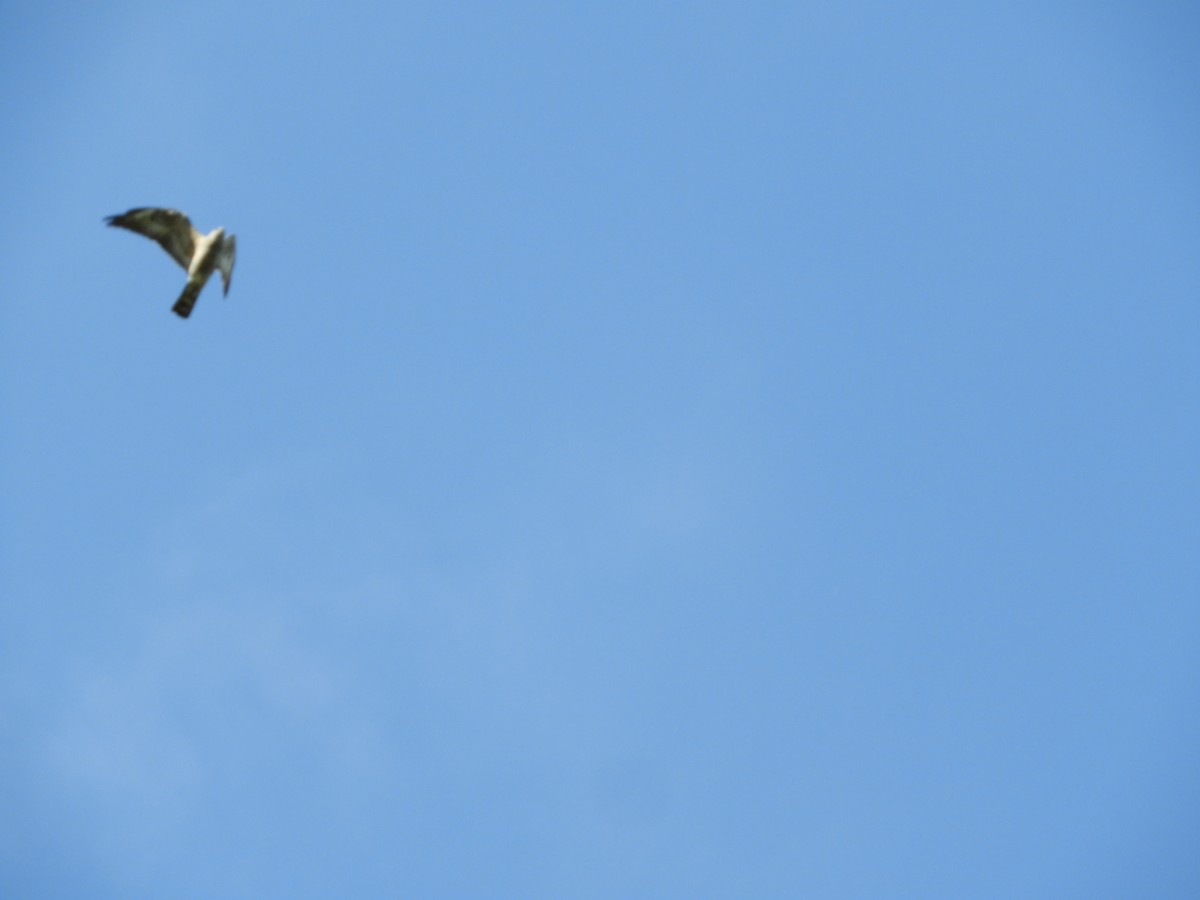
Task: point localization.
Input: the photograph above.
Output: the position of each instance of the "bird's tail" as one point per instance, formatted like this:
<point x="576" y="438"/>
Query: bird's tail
<point x="183" y="306"/>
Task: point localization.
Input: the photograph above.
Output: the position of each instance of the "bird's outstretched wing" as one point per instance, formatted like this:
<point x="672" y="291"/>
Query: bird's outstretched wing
<point x="226" y="257"/>
<point x="171" y="228"/>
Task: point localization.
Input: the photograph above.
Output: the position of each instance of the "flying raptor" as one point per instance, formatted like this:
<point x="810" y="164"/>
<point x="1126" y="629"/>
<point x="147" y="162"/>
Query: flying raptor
<point x="196" y="252"/>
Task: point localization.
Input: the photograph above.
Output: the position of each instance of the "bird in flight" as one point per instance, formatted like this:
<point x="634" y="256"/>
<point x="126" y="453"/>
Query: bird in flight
<point x="198" y="253"/>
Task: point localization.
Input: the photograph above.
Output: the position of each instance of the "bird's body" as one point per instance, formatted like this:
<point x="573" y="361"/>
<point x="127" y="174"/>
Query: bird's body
<point x="198" y="253"/>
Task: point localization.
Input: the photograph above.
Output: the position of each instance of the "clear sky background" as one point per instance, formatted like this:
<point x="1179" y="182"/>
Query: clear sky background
<point x="649" y="449"/>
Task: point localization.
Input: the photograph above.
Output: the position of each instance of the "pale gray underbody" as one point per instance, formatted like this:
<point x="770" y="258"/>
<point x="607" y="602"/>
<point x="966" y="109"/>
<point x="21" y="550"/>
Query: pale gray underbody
<point x="198" y="253"/>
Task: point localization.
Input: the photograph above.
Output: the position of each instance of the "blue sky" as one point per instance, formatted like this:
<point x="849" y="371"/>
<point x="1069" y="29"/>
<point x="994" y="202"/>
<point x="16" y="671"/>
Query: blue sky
<point x="648" y="450"/>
